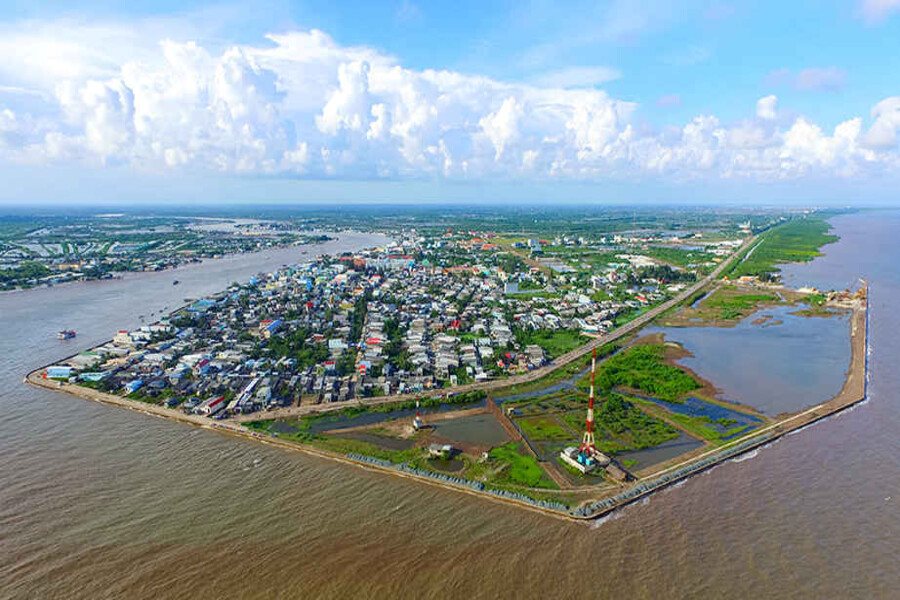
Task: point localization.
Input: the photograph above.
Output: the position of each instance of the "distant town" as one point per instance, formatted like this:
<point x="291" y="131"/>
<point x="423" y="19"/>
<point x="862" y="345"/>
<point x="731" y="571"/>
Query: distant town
<point x="38" y="251"/>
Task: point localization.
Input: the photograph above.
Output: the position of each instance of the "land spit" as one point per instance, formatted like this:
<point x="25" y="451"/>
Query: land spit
<point x="852" y="392"/>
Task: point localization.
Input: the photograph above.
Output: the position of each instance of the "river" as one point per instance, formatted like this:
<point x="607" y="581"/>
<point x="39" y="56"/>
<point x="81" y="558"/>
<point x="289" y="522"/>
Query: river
<point x="97" y="502"/>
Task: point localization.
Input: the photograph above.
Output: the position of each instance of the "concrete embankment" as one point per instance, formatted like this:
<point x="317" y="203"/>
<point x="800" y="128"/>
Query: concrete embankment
<point x="853" y="391"/>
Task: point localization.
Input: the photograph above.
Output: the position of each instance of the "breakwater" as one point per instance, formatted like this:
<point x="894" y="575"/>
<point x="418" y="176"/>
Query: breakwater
<point x="854" y="392"/>
<point x="450" y="480"/>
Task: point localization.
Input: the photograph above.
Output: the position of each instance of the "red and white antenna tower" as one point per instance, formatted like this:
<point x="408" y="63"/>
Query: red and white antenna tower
<point x="417" y="421"/>
<point x="587" y="442"/>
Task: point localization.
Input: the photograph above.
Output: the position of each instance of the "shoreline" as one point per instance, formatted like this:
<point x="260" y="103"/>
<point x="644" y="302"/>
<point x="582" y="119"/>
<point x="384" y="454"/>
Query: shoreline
<point x="679" y="469"/>
<point x="854" y="391"/>
<point x="117" y="275"/>
<point x="153" y="410"/>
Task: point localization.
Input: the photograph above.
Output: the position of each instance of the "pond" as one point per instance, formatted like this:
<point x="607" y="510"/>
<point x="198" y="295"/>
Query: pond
<point x="635" y="460"/>
<point x="481" y="430"/>
<point x="695" y="407"/>
<point x="565" y="384"/>
<point x="787" y="364"/>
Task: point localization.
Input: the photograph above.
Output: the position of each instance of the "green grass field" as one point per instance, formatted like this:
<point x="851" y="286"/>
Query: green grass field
<point x="623" y="426"/>
<point x="554" y="342"/>
<point x="796" y="241"/>
<point x="729" y="304"/>
<point x="522" y="469"/>
<point x="643" y="368"/>
<point x="703" y="427"/>
<point x="545" y="428"/>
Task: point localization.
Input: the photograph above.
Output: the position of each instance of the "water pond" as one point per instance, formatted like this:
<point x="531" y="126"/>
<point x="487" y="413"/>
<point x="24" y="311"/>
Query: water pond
<point x="482" y="430"/>
<point x="635" y="460"/>
<point x="695" y="407"/>
<point x="787" y="364"/>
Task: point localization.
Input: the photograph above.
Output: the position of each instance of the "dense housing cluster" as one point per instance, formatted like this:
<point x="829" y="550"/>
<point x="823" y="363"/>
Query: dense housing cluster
<point x="430" y="312"/>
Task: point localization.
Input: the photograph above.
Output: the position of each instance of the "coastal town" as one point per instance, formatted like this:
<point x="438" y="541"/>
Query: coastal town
<point x="426" y="313"/>
<point x="460" y="356"/>
<point x="405" y="299"/>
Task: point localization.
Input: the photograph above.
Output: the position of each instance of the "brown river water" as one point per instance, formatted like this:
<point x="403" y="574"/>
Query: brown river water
<point x="99" y="502"/>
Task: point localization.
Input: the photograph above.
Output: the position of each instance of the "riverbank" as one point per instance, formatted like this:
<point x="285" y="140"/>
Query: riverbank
<point x="665" y="475"/>
<point x="196" y="261"/>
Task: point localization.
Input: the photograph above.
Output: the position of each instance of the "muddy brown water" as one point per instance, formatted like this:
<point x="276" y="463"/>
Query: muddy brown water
<point x="97" y="502"/>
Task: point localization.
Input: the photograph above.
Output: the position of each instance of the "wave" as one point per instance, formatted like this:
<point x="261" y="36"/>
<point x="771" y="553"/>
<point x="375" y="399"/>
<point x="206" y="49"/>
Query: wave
<point x="799" y="429"/>
<point x="678" y="484"/>
<point x="607" y="518"/>
<point x="619" y="512"/>
<point x="747" y="456"/>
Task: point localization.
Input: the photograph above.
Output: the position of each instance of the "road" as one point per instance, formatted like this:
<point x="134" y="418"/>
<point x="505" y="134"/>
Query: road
<point x="489" y="386"/>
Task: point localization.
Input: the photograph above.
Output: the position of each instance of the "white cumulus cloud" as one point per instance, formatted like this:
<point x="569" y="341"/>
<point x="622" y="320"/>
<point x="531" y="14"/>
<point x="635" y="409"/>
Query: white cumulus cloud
<point x="300" y="104"/>
<point x="766" y="107"/>
<point x="883" y="133"/>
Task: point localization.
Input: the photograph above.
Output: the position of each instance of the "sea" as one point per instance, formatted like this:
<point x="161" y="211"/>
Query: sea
<point x="101" y="502"/>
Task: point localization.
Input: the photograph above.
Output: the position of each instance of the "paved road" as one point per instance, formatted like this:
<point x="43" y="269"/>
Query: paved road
<point x="489" y="386"/>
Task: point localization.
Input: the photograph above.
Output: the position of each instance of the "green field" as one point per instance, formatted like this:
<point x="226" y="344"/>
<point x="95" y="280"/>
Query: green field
<point x="675" y="256"/>
<point x="521" y="469"/>
<point x="703" y="427"/>
<point x="544" y="428"/>
<point x="643" y="368"/>
<point x="623" y="426"/>
<point x="796" y="241"/>
<point x="554" y="342"/>
<point x="728" y="303"/>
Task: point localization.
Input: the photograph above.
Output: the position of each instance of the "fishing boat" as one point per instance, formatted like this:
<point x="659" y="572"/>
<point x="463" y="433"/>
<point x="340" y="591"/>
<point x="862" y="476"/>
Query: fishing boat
<point x="66" y="334"/>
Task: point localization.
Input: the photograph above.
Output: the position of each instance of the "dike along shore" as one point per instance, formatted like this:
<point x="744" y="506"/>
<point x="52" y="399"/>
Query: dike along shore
<point x="853" y="392"/>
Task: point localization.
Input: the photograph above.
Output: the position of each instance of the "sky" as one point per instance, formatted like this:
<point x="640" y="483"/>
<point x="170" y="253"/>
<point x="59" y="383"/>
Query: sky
<point x="697" y="101"/>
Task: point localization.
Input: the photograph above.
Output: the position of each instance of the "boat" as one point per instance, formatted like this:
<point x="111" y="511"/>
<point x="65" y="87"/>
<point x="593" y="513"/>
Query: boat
<point x="66" y="334"/>
<point x="176" y="282"/>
